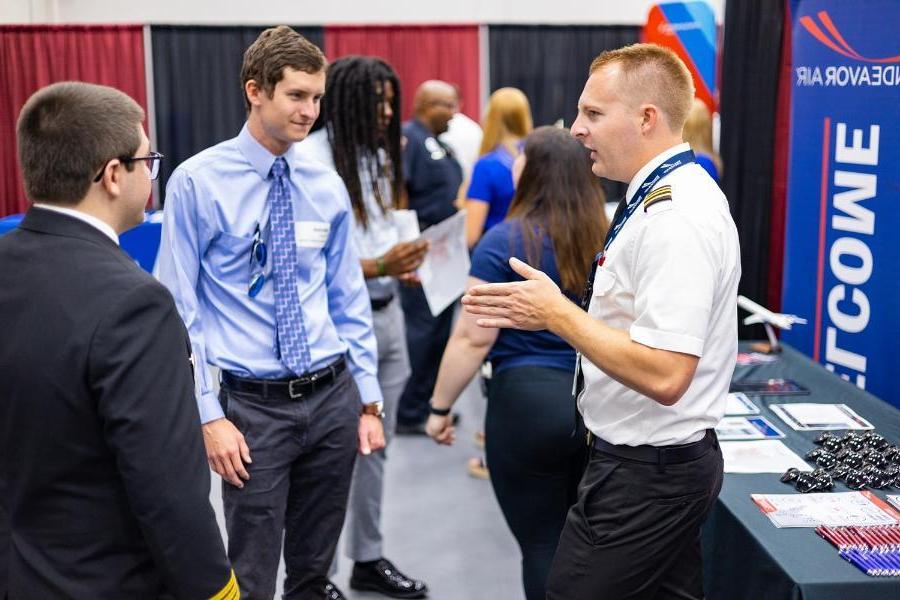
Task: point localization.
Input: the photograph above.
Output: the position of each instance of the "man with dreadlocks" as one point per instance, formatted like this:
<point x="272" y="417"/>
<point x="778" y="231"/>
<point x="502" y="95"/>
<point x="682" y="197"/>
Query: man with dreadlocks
<point x="359" y="137"/>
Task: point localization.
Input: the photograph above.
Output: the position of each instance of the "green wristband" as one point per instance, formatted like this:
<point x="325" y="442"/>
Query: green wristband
<point x="379" y="266"/>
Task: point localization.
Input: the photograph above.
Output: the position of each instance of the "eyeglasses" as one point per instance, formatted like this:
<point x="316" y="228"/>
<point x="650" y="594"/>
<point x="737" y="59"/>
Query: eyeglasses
<point x="153" y="159"/>
<point x="258" y="254"/>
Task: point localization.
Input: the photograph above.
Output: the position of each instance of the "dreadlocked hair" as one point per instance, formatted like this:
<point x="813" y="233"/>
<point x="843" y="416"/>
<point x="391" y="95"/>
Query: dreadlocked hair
<point x="351" y="107"/>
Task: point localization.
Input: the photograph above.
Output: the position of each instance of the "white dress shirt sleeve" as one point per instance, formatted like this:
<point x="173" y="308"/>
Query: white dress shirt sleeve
<point x="674" y="275"/>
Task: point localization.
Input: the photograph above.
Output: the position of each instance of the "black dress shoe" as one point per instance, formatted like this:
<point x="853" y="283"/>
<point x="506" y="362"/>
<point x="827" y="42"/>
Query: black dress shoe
<point x="332" y="592"/>
<point x="383" y="577"/>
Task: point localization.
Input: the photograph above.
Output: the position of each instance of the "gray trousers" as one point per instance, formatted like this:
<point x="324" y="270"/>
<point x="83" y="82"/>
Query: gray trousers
<point x="363" y="540"/>
<point x="303" y="452"/>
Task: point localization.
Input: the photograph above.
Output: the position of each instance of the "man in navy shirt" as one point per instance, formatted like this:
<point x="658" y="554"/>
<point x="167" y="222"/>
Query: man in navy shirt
<point x="433" y="178"/>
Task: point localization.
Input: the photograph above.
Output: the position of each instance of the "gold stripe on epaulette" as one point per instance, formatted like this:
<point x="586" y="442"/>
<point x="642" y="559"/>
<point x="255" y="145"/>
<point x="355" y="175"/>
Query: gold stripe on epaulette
<point x="660" y="194"/>
<point x="230" y="591"/>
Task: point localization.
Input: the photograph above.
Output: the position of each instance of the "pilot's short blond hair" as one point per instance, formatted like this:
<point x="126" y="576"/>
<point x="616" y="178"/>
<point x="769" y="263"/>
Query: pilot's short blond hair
<point x="653" y="74"/>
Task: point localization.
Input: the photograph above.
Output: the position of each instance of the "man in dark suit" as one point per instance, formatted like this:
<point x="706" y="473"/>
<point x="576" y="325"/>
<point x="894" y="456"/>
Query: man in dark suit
<point x="101" y="455"/>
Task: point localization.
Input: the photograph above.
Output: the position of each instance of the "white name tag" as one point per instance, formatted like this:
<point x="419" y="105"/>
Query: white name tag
<point x="311" y="234"/>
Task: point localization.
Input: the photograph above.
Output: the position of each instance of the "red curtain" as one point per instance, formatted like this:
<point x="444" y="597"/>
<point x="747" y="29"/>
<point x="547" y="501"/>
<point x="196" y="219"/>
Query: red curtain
<point x="34" y="56"/>
<point x="417" y="53"/>
<point x="782" y="149"/>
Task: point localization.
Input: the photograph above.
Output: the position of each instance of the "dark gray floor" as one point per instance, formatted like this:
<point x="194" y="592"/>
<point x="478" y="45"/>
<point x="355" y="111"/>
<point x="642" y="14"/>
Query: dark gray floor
<point x="440" y="524"/>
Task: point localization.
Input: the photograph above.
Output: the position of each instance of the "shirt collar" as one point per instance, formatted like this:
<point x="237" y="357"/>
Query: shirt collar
<point x="256" y="154"/>
<point x="82" y="216"/>
<point x="654" y="162"/>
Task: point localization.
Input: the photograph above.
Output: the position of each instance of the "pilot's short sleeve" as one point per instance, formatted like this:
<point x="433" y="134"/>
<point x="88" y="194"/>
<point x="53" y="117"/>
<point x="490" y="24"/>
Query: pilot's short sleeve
<point x="674" y="276"/>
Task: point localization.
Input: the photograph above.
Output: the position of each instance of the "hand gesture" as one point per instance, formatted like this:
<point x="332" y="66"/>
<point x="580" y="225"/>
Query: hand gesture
<point x="524" y="305"/>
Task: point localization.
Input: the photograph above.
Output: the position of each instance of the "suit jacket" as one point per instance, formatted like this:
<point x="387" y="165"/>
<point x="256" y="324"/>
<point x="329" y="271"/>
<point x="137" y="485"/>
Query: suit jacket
<point x="101" y="451"/>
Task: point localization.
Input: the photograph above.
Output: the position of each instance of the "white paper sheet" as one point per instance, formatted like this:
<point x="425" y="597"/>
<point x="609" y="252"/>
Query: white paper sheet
<point x="747" y="428"/>
<point x="835" y="509"/>
<point x="806" y="416"/>
<point x="445" y="271"/>
<point x="407" y="224"/>
<point x="760" y="456"/>
<point x="739" y="404"/>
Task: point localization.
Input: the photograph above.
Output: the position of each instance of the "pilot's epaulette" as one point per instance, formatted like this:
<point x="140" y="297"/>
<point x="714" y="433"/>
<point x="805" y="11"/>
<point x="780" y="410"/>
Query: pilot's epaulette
<point x="660" y="194"/>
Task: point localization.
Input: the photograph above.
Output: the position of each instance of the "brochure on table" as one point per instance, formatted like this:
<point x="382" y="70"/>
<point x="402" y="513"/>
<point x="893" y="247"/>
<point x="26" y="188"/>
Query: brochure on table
<point x="760" y="456"/>
<point x="738" y="403"/>
<point x="834" y="509"/>
<point x="746" y="428"/>
<point x="806" y="416"/>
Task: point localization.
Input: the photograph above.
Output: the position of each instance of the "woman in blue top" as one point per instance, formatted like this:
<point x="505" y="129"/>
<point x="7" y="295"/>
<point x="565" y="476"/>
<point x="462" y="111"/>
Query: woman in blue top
<point x="534" y="438"/>
<point x="507" y="121"/>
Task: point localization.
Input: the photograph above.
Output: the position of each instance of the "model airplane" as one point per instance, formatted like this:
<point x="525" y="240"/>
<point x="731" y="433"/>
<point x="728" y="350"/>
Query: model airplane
<point x="761" y="314"/>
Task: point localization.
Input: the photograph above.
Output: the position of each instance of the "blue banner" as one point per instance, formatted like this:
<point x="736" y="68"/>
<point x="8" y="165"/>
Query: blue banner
<point x="842" y="247"/>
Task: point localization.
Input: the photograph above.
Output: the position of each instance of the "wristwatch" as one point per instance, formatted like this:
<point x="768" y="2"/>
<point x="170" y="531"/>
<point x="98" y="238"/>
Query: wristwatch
<point x="375" y="409"/>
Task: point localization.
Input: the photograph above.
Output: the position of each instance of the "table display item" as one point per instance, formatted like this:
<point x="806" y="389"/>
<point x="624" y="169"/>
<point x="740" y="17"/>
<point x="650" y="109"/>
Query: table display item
<point x="859" y="460"/>
<point x="746" y="428"/>
<point x="873" y="550"/>
<point x="762" y="456"/>
<point x="769" y="387"/>
<point x="834" y="509"/>
<point x="738" y="404"/>
<point x="746" y="359"/>
<point x="806" y="416"/>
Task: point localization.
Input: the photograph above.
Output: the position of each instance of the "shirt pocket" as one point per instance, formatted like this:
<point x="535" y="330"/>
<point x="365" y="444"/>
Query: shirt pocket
<point x="604" y="282"/>
<point x="228" y="258"/>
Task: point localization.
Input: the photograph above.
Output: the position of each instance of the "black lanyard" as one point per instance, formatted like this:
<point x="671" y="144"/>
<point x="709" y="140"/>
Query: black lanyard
<point x="626" y="209"/>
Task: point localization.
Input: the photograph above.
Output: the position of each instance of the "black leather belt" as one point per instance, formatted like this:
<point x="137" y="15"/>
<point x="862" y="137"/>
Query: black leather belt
<point x="286" y="388"/>
<point x="382" y="303"/>
<point x="659" y="455"/>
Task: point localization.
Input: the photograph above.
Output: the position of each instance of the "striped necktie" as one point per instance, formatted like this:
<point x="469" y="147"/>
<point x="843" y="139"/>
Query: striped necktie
<point x="293" y="344"/>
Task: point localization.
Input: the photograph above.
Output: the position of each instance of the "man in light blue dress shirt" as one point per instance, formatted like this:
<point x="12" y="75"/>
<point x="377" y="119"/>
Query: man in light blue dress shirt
<point x="257" y="253"/>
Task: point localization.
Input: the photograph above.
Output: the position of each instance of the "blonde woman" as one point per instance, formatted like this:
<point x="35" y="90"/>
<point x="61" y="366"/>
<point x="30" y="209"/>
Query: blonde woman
<point x="698" y="133"/>
<point x="507" y="121"/>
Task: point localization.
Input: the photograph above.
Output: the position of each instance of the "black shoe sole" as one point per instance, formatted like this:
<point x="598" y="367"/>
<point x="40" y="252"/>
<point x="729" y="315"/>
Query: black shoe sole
<point x="374" y="587"/>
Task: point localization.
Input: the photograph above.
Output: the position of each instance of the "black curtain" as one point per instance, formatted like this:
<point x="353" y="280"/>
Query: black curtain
<point x="550" y="64"/>
<point x="751" y="62"/>
<point x="197" y="86"/>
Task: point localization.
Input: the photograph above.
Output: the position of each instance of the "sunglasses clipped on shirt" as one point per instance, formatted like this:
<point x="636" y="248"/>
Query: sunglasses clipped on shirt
<point x="153" y="159"/>
<point x="258" y="254"/>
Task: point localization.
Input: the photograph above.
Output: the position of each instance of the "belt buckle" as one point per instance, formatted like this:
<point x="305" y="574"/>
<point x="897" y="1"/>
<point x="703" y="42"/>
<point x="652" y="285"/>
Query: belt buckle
<point x="294" y="395"/>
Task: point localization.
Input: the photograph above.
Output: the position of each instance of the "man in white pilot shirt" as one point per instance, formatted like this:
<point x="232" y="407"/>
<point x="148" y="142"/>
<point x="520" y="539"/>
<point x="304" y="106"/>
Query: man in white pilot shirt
<point x="657" y="343"/>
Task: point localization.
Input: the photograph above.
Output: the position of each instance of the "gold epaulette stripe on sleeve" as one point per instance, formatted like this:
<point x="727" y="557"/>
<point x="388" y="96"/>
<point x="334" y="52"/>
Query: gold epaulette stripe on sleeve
<point x="660" y="194"/>
<point x="230" y="591"/>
